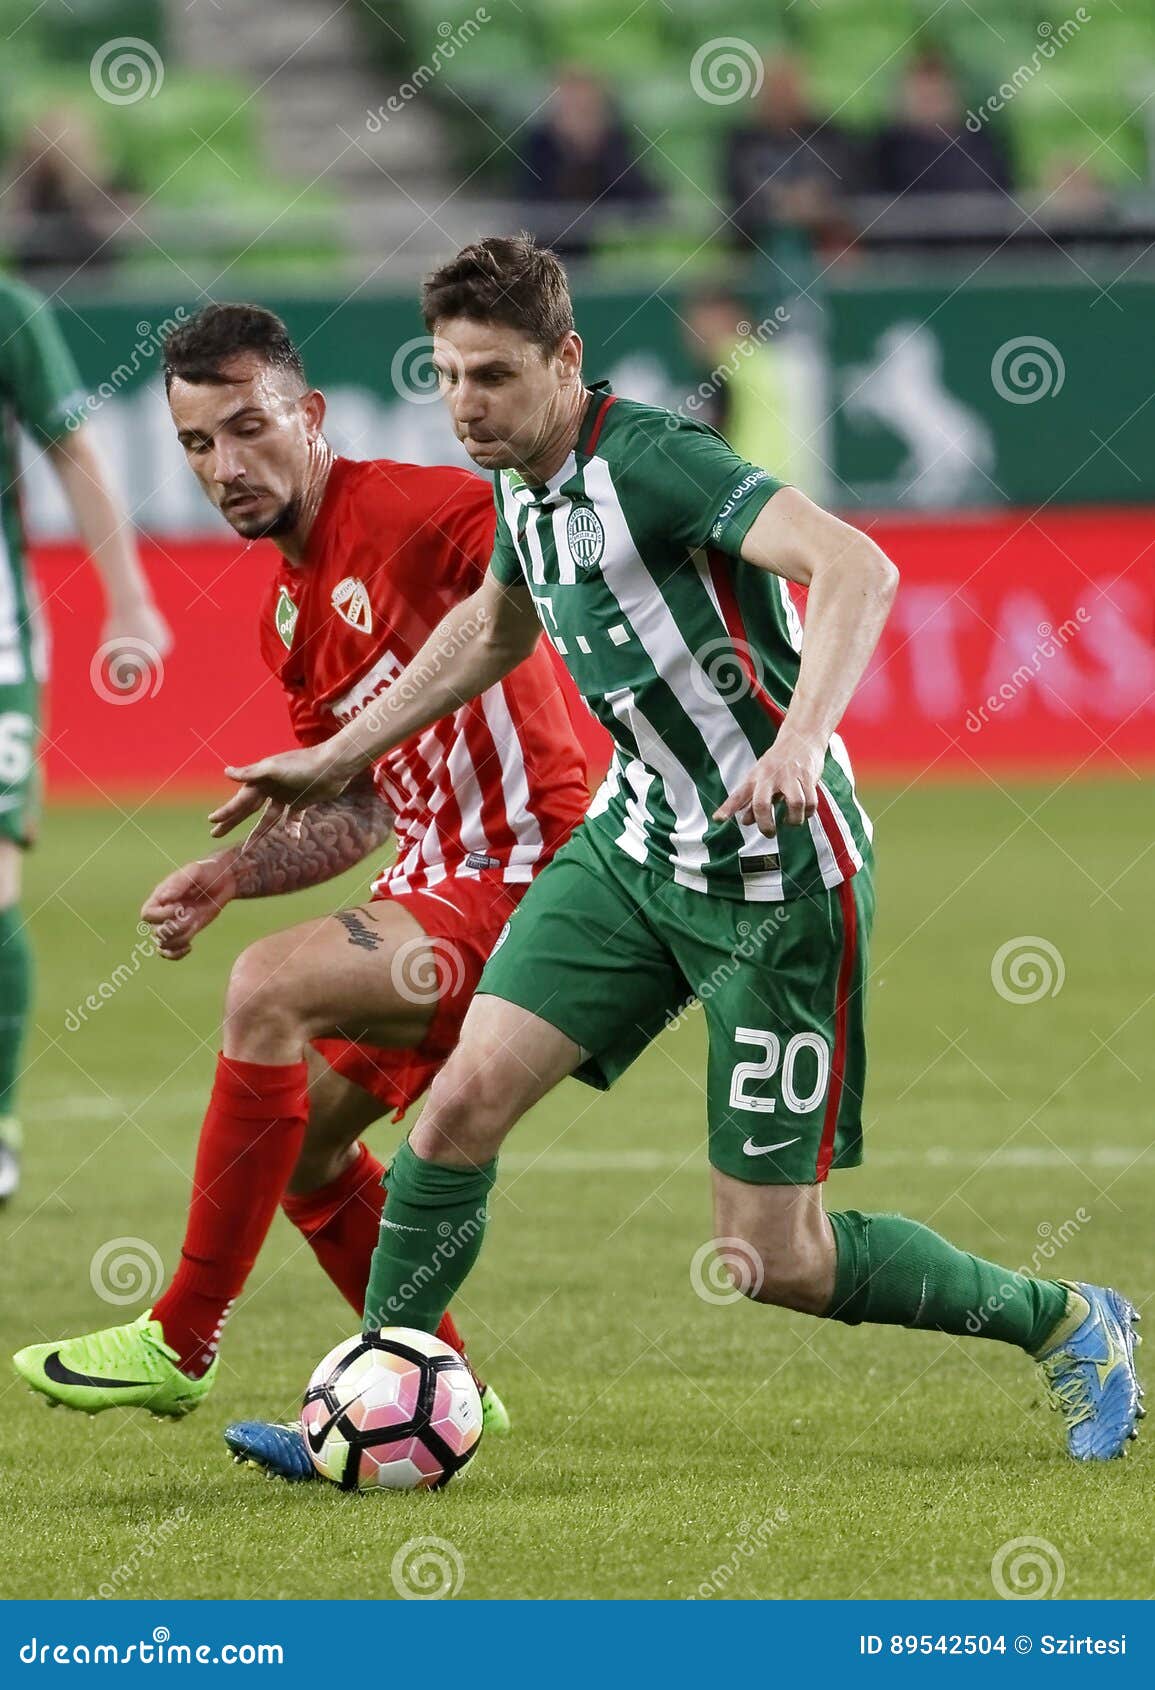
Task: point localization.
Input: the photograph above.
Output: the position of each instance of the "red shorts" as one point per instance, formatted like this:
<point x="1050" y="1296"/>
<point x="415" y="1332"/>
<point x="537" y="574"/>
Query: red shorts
<point x="462" y="918"/>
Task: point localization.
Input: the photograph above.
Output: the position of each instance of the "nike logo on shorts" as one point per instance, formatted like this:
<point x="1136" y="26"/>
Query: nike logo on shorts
<point x="752" y="1149"/>
<point x="396" y="1226"/>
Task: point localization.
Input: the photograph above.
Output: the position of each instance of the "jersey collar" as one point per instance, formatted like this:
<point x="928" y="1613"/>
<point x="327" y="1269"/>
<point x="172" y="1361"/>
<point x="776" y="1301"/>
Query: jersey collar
<point x="599" y="401"/>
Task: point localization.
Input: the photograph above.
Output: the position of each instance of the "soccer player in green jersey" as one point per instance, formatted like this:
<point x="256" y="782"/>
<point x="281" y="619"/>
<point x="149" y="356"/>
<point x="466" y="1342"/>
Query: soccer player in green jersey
<point x="40" y="390"/>
<point x="726" y="855"/>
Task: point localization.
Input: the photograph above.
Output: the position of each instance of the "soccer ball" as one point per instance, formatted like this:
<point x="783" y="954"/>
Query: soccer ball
<point x="395" y="1409"/>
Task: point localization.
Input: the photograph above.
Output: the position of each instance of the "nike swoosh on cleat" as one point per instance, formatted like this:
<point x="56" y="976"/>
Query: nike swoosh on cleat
<point x="752" y="1149"/>
<point x="61" y="1374"/>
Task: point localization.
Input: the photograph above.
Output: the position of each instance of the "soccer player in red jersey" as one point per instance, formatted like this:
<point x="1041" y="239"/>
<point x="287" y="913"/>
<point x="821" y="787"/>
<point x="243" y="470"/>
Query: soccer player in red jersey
<point x="330" y="1024"/>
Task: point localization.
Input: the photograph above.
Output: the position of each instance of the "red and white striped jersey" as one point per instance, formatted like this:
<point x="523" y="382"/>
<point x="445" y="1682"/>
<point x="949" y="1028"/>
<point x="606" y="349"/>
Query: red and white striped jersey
<point x="499" y="785"/>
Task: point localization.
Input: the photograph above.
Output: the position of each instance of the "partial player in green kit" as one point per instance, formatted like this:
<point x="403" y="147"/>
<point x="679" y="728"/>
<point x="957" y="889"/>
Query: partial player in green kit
<point x="40" y="391"/>
<point x="726" y="855"/>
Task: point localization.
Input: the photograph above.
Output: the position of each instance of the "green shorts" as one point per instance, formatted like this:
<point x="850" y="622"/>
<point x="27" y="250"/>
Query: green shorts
<point x="19" y="777"/>
<point x="611" y="952"/>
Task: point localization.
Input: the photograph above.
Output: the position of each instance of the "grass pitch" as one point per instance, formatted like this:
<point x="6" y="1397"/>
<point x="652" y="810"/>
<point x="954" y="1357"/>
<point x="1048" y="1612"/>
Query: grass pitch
<point x="664" y="1447"/>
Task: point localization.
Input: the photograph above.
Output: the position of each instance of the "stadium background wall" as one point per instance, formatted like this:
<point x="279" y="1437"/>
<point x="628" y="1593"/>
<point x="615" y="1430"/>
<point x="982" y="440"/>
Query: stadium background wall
<point x="1020" y="641"/>
<point x="937" y="396"/>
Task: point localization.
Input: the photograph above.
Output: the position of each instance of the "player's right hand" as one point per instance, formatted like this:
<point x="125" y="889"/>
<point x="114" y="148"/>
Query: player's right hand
<point x="186" y="901"/>
<point x="291" y="780"/>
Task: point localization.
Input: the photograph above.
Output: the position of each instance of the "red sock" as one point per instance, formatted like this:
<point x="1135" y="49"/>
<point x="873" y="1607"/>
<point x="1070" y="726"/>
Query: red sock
<point x="341" y="1222"/>
<point x="250" y="1141"/>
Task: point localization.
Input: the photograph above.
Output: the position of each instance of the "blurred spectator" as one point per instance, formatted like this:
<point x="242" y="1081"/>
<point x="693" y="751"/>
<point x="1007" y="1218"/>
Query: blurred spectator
<point x="789" y="168"/>
<point x="58" y="211"/>
<point x="580" y="163"/>
<point x="752" y="383"/>
<point x="1073" y="192"/>
<point x="928" y="149"/>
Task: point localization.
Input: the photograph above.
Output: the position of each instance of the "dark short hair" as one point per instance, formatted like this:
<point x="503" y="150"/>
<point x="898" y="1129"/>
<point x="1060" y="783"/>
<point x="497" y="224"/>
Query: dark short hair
<point x="504" y="279"/>
<point x="198" y="349"/>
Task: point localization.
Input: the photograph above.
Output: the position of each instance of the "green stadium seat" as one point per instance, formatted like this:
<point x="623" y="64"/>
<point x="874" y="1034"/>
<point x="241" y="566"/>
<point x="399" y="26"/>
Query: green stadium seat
<point x="71" y="31"/>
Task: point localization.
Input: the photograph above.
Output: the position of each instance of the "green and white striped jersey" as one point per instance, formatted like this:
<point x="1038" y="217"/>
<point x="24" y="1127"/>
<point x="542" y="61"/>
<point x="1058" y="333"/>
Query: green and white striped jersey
<point x="39" y="390"/>
<point x="687" y="654"/>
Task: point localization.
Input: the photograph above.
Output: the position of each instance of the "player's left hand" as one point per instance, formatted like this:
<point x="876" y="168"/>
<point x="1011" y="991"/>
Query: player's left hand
<point x="787" y="774"/>
<point x="291" y="780"/>
<point x="136" y="638"/>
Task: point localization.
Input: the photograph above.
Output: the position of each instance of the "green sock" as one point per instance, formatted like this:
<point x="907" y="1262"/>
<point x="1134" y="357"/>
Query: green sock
<point x="431" y="1235"/>
<point x="15" y="1002"/>
<point x="896" y="1272"/>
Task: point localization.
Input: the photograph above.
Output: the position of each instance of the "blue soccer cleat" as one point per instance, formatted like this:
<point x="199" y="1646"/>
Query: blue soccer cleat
<point x="279" y="1451"/>
<point x="1090" y="1377"/>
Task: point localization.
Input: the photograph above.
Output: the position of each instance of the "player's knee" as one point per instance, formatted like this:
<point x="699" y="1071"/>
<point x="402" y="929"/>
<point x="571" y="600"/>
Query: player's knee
<point x="259" y="996"/>
<point x="467" y="1113"/>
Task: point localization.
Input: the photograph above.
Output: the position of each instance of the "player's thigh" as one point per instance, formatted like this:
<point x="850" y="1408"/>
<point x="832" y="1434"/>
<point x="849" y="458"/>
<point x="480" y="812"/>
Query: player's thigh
<point x="348" y="975"/>
<point x="11" y="873"/>
<point x="787" y="1058"/>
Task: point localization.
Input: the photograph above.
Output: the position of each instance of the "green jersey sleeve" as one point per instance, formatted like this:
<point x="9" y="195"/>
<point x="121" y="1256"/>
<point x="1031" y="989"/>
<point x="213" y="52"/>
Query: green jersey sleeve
<point x="504" y="562"/>
<point x="707" y="494"/>
<point x="37" y="375"/>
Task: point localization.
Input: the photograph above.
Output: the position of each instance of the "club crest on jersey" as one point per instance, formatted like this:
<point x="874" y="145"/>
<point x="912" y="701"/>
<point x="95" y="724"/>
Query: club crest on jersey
<point x="351" y="602"/>
<point x="285" y="617"/>
<point x="585" y="536"/>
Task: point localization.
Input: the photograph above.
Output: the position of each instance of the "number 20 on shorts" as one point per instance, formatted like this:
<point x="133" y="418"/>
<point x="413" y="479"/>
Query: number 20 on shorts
<point x="783" y="1061"/>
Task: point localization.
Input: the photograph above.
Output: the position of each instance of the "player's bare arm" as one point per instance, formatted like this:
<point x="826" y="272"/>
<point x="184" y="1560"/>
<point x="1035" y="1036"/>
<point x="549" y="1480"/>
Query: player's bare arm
<point x="480" y="642"/>
<point x="132" y="619"/>
<point x="850" y="586"/>
<point x="283" y="854"/>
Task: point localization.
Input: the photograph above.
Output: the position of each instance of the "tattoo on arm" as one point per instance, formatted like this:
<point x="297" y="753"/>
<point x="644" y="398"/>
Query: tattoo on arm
<point x="314" y="845"/>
